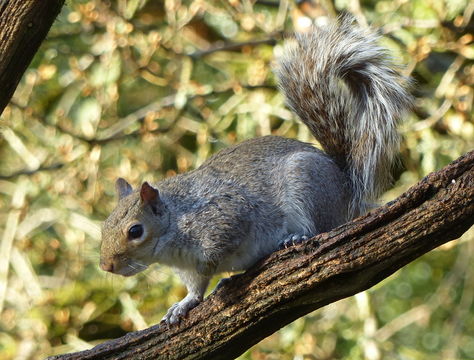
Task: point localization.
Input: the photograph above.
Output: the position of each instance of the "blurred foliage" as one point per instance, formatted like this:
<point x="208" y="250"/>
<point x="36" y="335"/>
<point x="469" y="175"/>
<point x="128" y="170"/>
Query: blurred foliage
<point x="147" y="89"/>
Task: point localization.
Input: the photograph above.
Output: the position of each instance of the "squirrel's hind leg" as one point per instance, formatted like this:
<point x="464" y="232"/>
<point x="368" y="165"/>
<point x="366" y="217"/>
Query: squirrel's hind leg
<point x="292" y="239"/>
<point x="313" y="193"/>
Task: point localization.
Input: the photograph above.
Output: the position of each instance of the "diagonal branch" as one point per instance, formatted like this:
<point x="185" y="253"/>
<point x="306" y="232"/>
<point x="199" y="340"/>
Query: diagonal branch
<point x="298" y="280"/>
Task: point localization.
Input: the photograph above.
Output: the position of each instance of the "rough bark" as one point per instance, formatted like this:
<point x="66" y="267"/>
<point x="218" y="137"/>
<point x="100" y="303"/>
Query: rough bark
<point x="23" y="26"/>
<point x="303" y="278"/>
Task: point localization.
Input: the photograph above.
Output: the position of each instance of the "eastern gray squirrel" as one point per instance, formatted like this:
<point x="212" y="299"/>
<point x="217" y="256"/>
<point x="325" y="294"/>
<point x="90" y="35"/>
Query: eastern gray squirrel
<point x="252" y="198"/>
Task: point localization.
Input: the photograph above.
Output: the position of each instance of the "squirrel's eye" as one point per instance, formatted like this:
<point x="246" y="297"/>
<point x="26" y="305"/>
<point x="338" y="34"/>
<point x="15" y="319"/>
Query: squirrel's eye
<point x="135" y="232"/>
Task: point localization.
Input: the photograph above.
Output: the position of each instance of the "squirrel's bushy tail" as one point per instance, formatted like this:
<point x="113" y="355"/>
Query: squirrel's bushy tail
<point x="343" y="87"/>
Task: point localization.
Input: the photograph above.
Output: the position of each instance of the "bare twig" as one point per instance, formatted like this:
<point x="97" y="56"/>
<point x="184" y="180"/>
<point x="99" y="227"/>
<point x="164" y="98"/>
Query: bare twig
<point x="237" y="46"/>
<point x="52" y="167"/>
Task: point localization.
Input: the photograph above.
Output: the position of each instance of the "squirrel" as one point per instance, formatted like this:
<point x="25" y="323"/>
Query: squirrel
<point x="263" y="194"/>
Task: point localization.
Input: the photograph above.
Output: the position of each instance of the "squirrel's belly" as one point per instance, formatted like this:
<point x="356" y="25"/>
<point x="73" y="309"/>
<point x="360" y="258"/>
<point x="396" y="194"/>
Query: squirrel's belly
<point x="250" y="251"/>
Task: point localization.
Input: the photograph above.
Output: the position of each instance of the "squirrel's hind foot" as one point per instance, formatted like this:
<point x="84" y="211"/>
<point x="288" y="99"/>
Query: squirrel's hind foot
<point x="293" y="239"/>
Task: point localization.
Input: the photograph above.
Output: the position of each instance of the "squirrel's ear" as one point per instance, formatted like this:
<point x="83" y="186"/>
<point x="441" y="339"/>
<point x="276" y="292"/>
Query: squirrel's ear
<point x="149" y="194"/>
<point x="123" y="188"/>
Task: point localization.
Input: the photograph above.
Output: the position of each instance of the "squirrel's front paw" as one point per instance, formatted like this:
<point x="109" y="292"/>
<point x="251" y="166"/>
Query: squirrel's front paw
<point x="180" y="309"/>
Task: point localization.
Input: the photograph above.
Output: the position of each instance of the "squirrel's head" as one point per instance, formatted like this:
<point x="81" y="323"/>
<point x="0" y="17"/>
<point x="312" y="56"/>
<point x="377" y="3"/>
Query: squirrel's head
<point x="131" y="233"/>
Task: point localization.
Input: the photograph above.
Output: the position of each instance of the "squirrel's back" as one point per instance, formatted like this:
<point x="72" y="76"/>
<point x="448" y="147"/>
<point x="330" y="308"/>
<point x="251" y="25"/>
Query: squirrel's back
<point x="341" y="84"/>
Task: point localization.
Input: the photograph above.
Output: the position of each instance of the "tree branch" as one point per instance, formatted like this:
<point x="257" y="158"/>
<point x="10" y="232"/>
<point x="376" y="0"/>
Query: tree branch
<point x="236" y="46"/>
<point x="23" y="26"/>
<point x="296" y="281"/>
<point x="52" y="167"/>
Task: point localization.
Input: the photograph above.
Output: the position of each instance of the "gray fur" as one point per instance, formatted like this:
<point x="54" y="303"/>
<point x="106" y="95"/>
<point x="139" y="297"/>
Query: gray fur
<point x="250" y="199"/>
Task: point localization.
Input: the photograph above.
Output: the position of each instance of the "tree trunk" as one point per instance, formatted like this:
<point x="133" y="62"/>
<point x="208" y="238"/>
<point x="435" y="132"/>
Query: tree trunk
<point x="23" y="26"/>
<point x="296" y="281"/>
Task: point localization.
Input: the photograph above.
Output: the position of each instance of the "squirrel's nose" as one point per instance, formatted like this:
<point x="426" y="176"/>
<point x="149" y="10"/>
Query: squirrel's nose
<point x="107" y="265"/>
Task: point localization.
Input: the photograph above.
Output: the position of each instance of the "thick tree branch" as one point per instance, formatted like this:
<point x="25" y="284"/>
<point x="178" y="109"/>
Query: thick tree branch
<point x="295" y="281"/>
<point x="23" y="26"/>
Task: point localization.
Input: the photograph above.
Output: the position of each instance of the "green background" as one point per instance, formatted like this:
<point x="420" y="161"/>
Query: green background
<point x="147" y="89"/>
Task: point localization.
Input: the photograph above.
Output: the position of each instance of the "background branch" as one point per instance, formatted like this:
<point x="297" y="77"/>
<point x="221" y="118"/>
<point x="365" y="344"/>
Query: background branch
<point x="23" y="26"/>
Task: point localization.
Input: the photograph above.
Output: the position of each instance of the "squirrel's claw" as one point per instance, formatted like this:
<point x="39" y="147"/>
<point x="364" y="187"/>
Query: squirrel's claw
<point x="292" y="239"/>
<point x="180" y="310"/>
